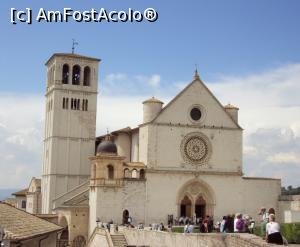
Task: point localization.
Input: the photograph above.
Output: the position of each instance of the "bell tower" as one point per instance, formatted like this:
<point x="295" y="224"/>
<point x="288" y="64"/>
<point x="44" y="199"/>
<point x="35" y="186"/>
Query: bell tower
<point x="70" y="124"/>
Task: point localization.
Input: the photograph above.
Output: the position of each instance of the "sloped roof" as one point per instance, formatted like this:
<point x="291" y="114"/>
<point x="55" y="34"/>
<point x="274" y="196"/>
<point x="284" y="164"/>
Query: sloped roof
<point x="196" y="80"/>
<point x="72" y="55"/>
<point x="18" y="224"/>
<point x="21" y="192"/>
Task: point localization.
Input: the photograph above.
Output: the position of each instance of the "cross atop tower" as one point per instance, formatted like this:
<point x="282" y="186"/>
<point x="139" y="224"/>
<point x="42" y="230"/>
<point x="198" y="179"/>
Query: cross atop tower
<point x="196" y="75"/>
<point x="73" y="45"/>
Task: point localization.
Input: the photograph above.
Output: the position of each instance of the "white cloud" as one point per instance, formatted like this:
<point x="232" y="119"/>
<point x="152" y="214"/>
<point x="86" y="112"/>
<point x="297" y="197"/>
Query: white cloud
<point x="288" y="157"/>
<point x="269" y="111"/>
<point x="21" y="139"/>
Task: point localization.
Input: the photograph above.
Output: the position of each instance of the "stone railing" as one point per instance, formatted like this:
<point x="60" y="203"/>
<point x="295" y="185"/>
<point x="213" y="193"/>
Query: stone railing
<point x="100" y="237"/>
<point x="170" y="239"/>
<point x="70" y="194"/>
<point x="106" y="182"/>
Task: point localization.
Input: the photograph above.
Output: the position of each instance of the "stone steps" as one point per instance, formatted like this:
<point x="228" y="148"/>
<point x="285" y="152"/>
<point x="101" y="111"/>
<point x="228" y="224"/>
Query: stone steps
<point x="119" y="240"/>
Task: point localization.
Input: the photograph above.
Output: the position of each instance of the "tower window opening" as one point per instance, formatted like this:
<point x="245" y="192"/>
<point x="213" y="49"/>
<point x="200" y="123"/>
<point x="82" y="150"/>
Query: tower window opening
<point x="110" y="171"/>
<point x="142" y="174"/>
<point x="76" y="75"/>
<point x="86" y="76"/>
<point x="78" y="104"/>
<point x="65" y="103"/>
<point x="65" y="74"/>
<point x="72" y="104"/>
<point x="84" y="105"/>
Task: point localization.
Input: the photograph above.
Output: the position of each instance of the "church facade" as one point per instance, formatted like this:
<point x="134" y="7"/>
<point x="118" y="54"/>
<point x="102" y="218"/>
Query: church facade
<point x="184" y="159"/>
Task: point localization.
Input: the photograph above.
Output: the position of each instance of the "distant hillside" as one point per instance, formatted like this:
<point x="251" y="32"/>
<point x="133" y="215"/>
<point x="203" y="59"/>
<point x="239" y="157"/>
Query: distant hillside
<point x="4" y="193"/>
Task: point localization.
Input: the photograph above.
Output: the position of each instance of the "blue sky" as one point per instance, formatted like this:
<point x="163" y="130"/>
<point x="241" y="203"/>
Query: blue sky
<point x="247" y="52"/>
<point x="222" y="37"/>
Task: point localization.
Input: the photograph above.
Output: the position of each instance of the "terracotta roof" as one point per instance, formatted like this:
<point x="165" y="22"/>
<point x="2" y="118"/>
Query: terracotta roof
<point x="153" y="100"/>
<point x="18" y="224"/>
<point x="21" y="192"/>
<point x="72" y="55"/>
<point x="230" y="106"/>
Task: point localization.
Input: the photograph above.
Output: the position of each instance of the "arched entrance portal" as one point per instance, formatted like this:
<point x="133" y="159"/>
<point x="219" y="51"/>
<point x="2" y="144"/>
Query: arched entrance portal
<point x="125" y="216"/>
<point x="63" y="239"/>
<point x="195" y="199"/>
<point x="200" y="207"/>
<point x="79" y="241"/>
<point x="186" y="207"/>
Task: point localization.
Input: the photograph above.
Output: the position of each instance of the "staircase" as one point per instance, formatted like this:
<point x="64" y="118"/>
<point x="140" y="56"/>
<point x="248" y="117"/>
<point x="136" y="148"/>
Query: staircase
<point x="119" y="240"/>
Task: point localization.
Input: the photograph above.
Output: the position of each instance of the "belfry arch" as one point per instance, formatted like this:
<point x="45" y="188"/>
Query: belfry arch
<point x="201" y="197"/>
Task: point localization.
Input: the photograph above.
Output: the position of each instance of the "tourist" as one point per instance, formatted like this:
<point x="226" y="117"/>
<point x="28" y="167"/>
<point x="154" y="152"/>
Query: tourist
<point x="185" y="228"/>
<point x="223" y="224"/>
<point x="234" y="222"/>
<point x="181" y="221"/>
<point x="210" y="224"/>
<point x="205" y="225"/>
<point x="176" y="221"/>
<point x="251" y="226"/>
<point x="190" y="228"/>
<point x="264" y="220"/>
<point x="108" y="224"/>
<point x="239" y="224"/>
<point x="129" y="220"/>
<point x="271" y="211"/>
<point x="161" y="227"/>
<point x="273" y="234"/>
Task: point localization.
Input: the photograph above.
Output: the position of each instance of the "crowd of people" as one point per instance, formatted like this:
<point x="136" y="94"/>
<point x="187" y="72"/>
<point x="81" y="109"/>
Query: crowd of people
<point x="232" y="223"/>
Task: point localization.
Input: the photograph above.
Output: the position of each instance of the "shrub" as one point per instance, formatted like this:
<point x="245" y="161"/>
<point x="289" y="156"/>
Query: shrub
<point x="177" y="229"/>
<point x="257" y="231"/>
<point x="291" y="231"/>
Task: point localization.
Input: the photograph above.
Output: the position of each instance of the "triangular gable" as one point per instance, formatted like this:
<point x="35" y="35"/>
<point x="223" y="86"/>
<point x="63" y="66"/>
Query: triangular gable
<point x="195" y="93"/>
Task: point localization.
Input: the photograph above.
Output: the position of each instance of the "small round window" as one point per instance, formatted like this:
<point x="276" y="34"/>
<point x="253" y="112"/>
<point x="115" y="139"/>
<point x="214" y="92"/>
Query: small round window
<point x="195" y="114"/>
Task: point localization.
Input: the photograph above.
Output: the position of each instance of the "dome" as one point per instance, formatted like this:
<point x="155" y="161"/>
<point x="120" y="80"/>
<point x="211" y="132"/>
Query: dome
<point x="107" y="146"/>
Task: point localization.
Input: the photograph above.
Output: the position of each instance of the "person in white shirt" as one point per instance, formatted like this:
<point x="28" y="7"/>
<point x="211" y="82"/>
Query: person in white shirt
<point x="273" y="234"/>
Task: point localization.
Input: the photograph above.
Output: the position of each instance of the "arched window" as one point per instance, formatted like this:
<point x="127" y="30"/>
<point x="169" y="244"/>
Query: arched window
<point x="142" y="174"/>
<point x="86" y="76"/>
<point x="126" y="173"/>
<point x="65" y="74"/>
<point x="110" y="172"/>
<point x="134" y="173"/>
<point x="76" y="75"/>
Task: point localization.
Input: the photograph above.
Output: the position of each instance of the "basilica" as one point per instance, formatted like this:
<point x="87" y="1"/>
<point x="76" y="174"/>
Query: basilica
<point x="184" y="159"/>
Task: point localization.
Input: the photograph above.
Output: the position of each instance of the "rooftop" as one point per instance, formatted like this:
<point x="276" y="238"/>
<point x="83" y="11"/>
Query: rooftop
<point x="72" y="55"/>
<point x="21" y="192"/>
<point x="18" y="224"/>
<point x="153" y="100"/>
